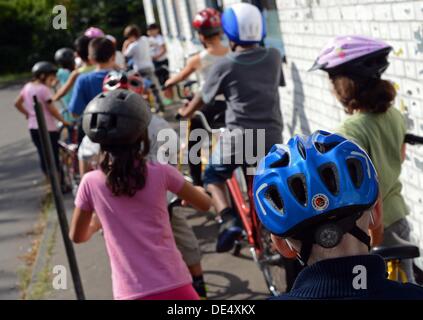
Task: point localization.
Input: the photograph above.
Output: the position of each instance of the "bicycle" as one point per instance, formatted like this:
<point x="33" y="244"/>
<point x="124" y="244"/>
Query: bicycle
<point x="397" y="248"/>
<point x="68" y="156"/>
<point x="240" y="188"/>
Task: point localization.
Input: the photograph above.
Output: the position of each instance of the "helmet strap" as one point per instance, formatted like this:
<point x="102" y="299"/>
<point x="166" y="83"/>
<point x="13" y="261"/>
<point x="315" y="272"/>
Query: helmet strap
<point x="233" y="46"/>
<point x="339" y="228"/>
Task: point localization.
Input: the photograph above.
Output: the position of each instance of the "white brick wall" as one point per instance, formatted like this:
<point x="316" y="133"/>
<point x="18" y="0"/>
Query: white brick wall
<point x="398" y="22"/>
<point x="148" y="10"/>
<point x="307" y="103"/>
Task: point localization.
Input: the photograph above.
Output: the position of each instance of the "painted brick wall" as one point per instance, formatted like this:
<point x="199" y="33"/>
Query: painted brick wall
<point x="307" y="103"/>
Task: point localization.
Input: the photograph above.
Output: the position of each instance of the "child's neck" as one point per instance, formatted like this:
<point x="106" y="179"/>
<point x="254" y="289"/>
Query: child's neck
<point x="246" y="48"/>
<point x="105" y="66"/>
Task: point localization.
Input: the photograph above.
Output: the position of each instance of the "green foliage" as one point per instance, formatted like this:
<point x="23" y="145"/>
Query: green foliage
<point x="27" y="34"/>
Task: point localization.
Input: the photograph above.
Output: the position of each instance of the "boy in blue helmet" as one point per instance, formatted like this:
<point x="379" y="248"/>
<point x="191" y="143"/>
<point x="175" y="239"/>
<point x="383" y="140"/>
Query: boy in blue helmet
<point x="317" y="197"/>
<point x="248" y="78"/>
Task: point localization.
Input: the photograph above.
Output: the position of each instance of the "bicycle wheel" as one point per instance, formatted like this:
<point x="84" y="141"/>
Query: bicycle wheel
<point x="271" y="265"/>
<point x="67" y="184"/>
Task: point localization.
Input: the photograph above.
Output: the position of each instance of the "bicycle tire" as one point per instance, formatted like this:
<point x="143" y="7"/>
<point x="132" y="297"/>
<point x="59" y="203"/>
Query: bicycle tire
<point x="270" y="262"/>
<point x="271" y="265"/>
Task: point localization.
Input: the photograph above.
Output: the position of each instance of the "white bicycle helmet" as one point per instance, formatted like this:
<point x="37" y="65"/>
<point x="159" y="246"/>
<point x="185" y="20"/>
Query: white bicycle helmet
<point x="244" y="24"/>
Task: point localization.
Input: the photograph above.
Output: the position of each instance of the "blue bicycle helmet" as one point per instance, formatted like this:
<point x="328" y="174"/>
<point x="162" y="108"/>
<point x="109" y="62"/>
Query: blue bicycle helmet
<point x="314" y="189"/>
<point x="244" y="24"/>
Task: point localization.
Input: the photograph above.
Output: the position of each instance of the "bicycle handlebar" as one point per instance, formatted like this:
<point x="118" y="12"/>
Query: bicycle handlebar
<point x="202" y="118"/>
<point x="413" y="139"/>
<point x="179" y="86"/>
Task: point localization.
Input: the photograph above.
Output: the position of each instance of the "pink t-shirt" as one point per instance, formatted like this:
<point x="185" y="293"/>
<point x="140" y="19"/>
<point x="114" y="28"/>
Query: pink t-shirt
<point x="43" y="94"/>
<point x="143" y="255"/>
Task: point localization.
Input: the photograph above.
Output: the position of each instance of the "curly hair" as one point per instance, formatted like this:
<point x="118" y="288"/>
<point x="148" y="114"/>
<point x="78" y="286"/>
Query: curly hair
<point x="125" y="166"/>
<point x="369" y="95"/>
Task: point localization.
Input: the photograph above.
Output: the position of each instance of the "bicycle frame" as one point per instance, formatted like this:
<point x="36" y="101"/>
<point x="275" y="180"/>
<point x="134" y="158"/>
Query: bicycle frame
<point x="246" y="211"/>
<point x="395" y="272"/>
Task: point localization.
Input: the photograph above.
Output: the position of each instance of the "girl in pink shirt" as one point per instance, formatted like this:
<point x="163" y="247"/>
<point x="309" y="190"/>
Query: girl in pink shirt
<point x="44" y="78"/>
<point x="128" y="195"/>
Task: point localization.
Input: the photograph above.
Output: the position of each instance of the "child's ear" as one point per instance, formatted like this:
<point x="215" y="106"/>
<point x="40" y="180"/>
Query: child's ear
<point x="284" y="248"/>
<point x="376" y="218"/>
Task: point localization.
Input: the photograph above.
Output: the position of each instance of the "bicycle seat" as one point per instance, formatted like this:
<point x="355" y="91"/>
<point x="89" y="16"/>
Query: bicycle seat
<point x="396" y="248"/>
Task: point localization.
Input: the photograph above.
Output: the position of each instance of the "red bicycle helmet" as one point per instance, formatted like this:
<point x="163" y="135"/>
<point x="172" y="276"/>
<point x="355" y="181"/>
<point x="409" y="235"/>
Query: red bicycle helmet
<point x="122" y="80"/>
<point x="208" y="22"/>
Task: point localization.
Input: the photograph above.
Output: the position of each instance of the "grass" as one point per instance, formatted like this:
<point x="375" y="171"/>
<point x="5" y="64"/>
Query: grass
<point x="25" y="272"/>
<point x="43" y="283"/>
<point x="12" y="77"/>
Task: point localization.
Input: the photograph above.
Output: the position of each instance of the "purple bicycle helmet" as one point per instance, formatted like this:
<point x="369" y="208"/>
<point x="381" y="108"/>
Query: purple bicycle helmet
<point x="93" y="32"/>
<point x="355" y="55"/>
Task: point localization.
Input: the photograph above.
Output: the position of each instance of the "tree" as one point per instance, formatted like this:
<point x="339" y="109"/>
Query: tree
<point x="27" y="34"/>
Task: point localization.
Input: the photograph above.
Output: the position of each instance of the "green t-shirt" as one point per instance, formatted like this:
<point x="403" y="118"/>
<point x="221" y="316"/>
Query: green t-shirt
<point x="382" y="136"/>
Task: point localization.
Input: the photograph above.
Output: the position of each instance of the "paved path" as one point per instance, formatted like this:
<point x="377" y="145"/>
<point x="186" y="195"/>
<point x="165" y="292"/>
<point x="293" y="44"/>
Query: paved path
<point x="20" y="191"/>
<point x="227" y="277"/>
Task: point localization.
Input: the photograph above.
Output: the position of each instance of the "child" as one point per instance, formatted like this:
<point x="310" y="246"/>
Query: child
<point x="159" y="56"/>
<point x="128" y="195"/>
<point x="137" y="49"/>
<point x="248" y="78"/>
<point x="355" y="65"/>
<point x="65" y="58"/>
<point x="119" y="57"/>
<point x="101" y="52"/>
<point x="44" y="78"/>
<point x="208" y="25"/>
<point x="318" y="205"/>
<point x="89" y="151"/>
<point x="81" y="47"/>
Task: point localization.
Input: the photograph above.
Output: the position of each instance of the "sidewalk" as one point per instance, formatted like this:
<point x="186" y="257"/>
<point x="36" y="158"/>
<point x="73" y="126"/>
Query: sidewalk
<point x="227" y="277"/>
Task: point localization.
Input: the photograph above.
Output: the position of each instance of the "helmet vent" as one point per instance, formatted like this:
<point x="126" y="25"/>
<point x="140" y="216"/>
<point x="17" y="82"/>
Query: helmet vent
<point x="113" y="121"/>
<point x="355" y="169"/>
<point x="329" y="175"/>
<point x="283" y="162"/>
<point x="274" y="198"/>
<point x="93" y="122"/>
<point x="301" y="150"/>
<point x="298" y="188"/>
<point x="122" y="95"/>
<point x="325" y="147"/>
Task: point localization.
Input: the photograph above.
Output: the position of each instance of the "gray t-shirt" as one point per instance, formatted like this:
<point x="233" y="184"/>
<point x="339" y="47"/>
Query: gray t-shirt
<point x="249" y="81"/>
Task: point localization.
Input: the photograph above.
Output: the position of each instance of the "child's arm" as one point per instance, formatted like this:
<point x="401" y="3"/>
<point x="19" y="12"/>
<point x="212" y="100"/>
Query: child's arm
<point x="67" y="86"/>
<point x="81" y="229"/>
<point x="195" y="196"/>
<point x="403" y="152"/>
<point x="192" y="65"/>
<point x="126" y="44"/>
<point x="55" y="113"/>
<point x="163" y="51"/>
<point x="19" y="104"/>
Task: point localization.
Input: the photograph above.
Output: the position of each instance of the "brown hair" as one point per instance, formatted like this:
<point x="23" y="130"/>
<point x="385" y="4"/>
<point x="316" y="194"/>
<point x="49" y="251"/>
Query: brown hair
<point x="132" y="31"/>
<point x="125" y="166"/>
<point x="369" y="95"/>
<point x="101" y="49"/>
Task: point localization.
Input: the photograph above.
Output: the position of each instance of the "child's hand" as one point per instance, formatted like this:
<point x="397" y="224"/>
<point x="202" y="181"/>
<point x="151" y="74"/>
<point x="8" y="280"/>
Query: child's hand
<point x="183" y="111"/>
<point x="95" y="224"/>
<point x="67" y="123"/>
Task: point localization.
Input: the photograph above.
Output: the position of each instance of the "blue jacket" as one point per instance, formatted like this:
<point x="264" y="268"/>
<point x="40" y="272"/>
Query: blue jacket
<point x="86" y="88"/>
<point x="335" y="279"/>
